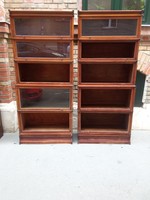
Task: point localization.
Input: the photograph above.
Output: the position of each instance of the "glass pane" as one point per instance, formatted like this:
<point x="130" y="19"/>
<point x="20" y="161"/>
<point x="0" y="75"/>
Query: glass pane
<point x="44" y="49"/>
<point x="53" y="26"/>
<point x="133" y="4"/>
<point x="44" y="97"/>
<point x="108" y="27"/>
<point x="99" y="5"/>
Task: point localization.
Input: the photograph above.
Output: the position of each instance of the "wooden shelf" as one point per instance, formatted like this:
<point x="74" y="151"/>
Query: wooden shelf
<point x="106" y="110"/>
<point x="43" y="60"/>
<point x="108" y="98"/>
<point x="107" y="61"/>
<point x="51" y="73"/>
<point x="105" y="132"/>
<point x="107" y="86"/>
<point x="47" y="131"/>
<point x="106" y="73"/>
<point x="107" y="121"/>
<point x="108" y="49"/>
<point x="44" y="121"/>
<point x="43" y="56"/>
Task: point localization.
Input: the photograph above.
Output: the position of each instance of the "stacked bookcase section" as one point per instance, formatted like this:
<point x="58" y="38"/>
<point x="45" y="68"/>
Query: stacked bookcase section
<point x="108" y="49"/>
<point x="43" y="46"/>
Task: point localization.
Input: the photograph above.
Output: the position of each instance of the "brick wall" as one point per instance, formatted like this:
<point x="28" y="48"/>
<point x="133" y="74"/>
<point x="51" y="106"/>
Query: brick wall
<point x="5" y="80"/>
<point x="40" y="5"/>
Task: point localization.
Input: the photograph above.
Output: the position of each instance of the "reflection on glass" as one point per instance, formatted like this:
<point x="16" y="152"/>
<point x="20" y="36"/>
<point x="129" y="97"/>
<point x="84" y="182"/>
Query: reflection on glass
<point x="43" y="97"/>
<point x="108" y="27"/>
<point x="99" y="5"/>
<point x="133" y="4"/>
<point x="44" y="49"/>
<point x="53" y="26"/>
<point x="107" y="4"/>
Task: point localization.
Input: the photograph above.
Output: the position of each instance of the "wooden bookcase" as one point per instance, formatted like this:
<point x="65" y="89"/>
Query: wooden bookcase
<point x="108" y="49"/>
<point x="43" y="55"/>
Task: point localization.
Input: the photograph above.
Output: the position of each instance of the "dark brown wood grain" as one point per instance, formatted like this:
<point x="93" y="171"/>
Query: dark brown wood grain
<point x="44" y="72"/>
<point x="43" y="56"/>
<point x="107" y="73"/>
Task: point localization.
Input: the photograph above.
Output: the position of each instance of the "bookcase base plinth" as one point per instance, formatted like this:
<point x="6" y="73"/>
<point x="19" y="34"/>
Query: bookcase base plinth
<point x="45" y="140"/>
<point x="104" y="139"/>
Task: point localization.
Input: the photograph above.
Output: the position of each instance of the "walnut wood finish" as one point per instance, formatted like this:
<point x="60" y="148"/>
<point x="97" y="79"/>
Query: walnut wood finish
<point x="44" y="74"/>
<point x="108" y="50"/>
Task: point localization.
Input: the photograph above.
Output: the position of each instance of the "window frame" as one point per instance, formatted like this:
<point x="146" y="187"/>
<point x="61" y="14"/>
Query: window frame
<point x="117" y="5"/>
